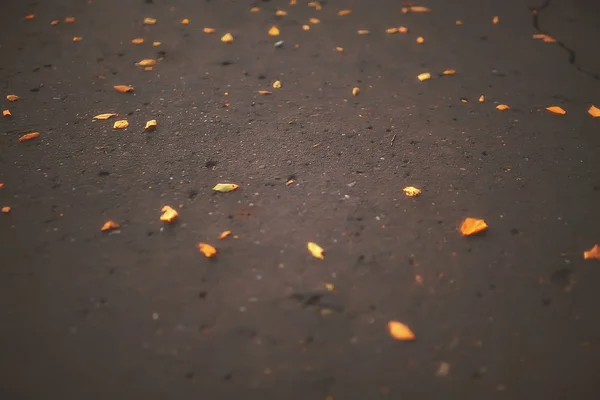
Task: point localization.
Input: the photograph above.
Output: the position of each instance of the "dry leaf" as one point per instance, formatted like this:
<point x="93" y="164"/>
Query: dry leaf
<point x="150" y="125"/>
<point x="5" y="209"/>
<point x="147" y="62"/>
<point x="254" y="9"/>
<point x="1" y="185"/>
<point x="55" y="22"/>
<point x="306" y="27"/>
<point x="148" y="68"/>
<point x="185" y="21"/>
<point x="594" y="111"/>
<point x="121" y="124"/>
<point x="399" y="331"/>
<point x="495" y="20"/>
<point x="391" y="30"/>
<point x="502" y="107"/>
<point x="402" y="29"/>
<point x="592" y="254"/>
<point x="6" y="113"/>
<point x="137" y="40"/>
<point x="209" y="30"/>
<point x="168" y="214"/>
<point x="339" y="49"/>
<point x="77" y="39"/>
<point x="415" y="9"/>
<point x="471" y="226"/>
<point x="106" y="116"/>
<point x="224" y="234"/>
<point x="206" y="249"/>
<point x="314" y="4"/>
<point x="463" y="100"/>
<point x="281" y="13"/>
<point x="314" y="21"/>
<point x="12" y="97"/>
<point x="123" y="88"/>
<point x="156" y="44"/>
<point x="292" y="2"/>
<point x="315" y="250"/>
<point x="277" y="85"/>
<point x="29" y="136"/>
<point x="556" y="110"/>
<point x="264" y="92"/>
<point x="69" y="20"/>
<point x="225" y="187"/>
<point x="449" y="72"/>
<point x="355" y="91"/>
<point x="419" y="279"/>
<point x="481" y="98"/>
<point x="290" y="182"/>
<point x="411" y="191"/>
<point x="341" y="13"/>
<point x="420" y="40"/>
<point x="424" y="76"/>
<point x="544" y="37"/>
<point x="227" y="38"/>
<point x="30" y="16"/>
<point x="459" y="22"/>
<point x="363" y="32"/>
<point x="108" y="225"/>
<point x="149" y="21"/>
<point x="273" y="31"/>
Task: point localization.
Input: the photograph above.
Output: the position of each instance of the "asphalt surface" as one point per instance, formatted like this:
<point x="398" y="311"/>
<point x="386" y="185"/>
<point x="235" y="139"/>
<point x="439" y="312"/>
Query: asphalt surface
<point x="140" y="313"/>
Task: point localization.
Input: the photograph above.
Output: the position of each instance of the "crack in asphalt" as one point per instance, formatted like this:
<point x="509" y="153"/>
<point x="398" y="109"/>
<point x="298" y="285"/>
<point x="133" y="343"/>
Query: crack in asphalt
<point x="535" y="11"/>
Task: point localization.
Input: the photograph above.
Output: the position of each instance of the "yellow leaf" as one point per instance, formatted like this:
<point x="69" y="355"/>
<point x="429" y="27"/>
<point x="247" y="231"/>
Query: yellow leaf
<point x="402" y="29"/>
<point x="29" y="136"/>
<point x="363" y="32"/>
<point x="415" y="9"/>
<point x="329" y="286"/>
<point x="424" y="76"/>
<point x="105" y="116"/>
<point x="121" y="124"/>
<point x="254" y="9"/>
<point x="185" y="21"/>
<point x="147" y="62"/>
<point x="315" y="250"/>
<point x="224" y="234"/>
<point x="306" y="27"/>
<point x="123" y="88"/>
<point x="69" y="20"/>
<point x="264" y="92"/>
<point x="5" y="209"/>
<point x="495" y="20"/>
<point x="594" y="111"/>
<point x="227" y="38"/>
<point x="150" y="125"/>
<point x="502" y="107"/>
<point x="411" y="191"/>
<point x="208" y="30"/>
<point x="592" y="254"/>
<point x="206" y="249"/>
<point x="341" y="13"/>
<point x="138" y="40"/>
<point x="277" y="85"/>
<point x="449" y="72"/>
<point x="314" y="21"/>
<point x="168" y="214"/>
<point x="77" y="39"/>
<point x="420" y="40"/>
<point x="556" y="110"/>
<point x="399" y="331"/>
<point x="109" y="225"/>
<point x="292" y="2"/>
<point x="281" y="13"/>
<point x="355" y="91"/>
<point x="225" y="187"/>
<point x="339" y="49"/>
<point x="273" y="31"/>
<point x="315" y="4"/>
<point x="391" y="30"/>
<point x="149" y="21"/>
<point x="156" y="44"/>
<point x="481" y="98"/>
<point x="6" y="113"/>
<point x="471" y="226"/>
<point x="12" y="97"/>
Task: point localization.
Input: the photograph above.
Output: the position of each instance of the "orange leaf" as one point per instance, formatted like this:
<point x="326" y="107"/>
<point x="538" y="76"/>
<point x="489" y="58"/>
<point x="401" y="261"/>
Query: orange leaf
<point x="449" y="72"/>
<point x="355" y="91"/>
<point x="314" y="4"/>
<point x="108" y="225"/>
<point x="399" y="331"/>
<point x="224" y="234"/>
<point x="168" y="214"/>
<point x="30" y="16"/>
<point x="69" y="20"/>
<point x="121" y="124"/>
<point x="29" y="136"/>
<point x="147" y="62"/>
<point x="411" y="191"/>
<point x="105" y="116"/>
<point x="342" y="13"/>
<point x="55" y="22"/>
<point x="544" y="37"/>
<point x="471" y="226"/>
<point x="315" y="250"/>
<point x="363" y="32"/>
<point x="420" y="40"/>
<point x="592" y="254"/>
<point x="556" y="110"/>
<point x="502" y="107"/>
<point x="77" y="38"/>
<point x="254" y="9"/>
<point x="314" y="21"/>
<point x="5" y="209"/>
<point x="263" y="92"/>
<point x="273" y="31"/>
<point x="155" y="44"/>
<point x="594" y="111"/>
<point x="495" y="20"/>
<point x="415" y="9"/>
<point x="138" y="41"/>
<point x="149" y="21"/>
<point x="459" y="22"/>
<point x="1" y="185"/>
<point x="185" y="21"/>
<point x="481" y="98"/>
<point x="227" y="38"/>
<point x="123" y="88"/>
<point x="209" y="30"/>
<point x="339" y="49"/>
<point x="6" y="113"/>
<point x="12" y="97"/>
<point x="206" y="249"/>
<point x="306" y="27"/>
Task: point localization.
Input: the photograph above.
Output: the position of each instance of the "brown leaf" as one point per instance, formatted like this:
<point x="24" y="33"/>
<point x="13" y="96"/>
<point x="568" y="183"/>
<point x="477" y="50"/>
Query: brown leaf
<point x="355" y="91"/>
<point x="106" y="116"/>
<point x="6" y="209"/>
<point x="123" y="88"/>
<point x="459" y="22"/>
<point x="168" y="214"/>
<point x="121" y="124"/>
<point x="137" y="41"/>
<point x="281" y="13"/>
<point x="449" y="72"/>
<point x="206" y="249"/>
<point x="502" y="107"/>
<point x="150" y="125"/>
<point x="227" y="38"/>
<point x="208" y="30"/>
<point x="29" y="136"/>
<point x="471" y="226"/>
<point x="342" y="13"/>
<point x="592" y="254"/>
<point x="109" y="225"/>
<point x="12" y="97"/>
<point x="556" y="110"/>
<point x="77" y="38"/>
<point x="495" y="20"/>
<point x="481" y="98"/>
<point x="420" y="40"/>
<point x="399" y="331"/>
<point x="224" y="235"/>
<point x="314" y="21"/>
<point x="147" y="62"/>
<point x="594" y="111"/>
<point x="315" y="250"/>
<point x="69" y="20"/>
<point x="149" y="21"/>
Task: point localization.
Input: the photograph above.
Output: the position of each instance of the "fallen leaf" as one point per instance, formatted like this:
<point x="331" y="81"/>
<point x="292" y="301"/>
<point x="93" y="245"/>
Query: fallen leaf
<point x="495" y="20"/>
<point x="12" y="97"/>
<point x="123" y="88"/>
<point x="391" y="30"/>
<point x="149" y="21"/>
<point x="55" y="22"/>
<point x="291" y="181"/>
<point x="150" y="125"/>
<point x="592" y="254"/>
<point x="556" y="110"/>
<point x="463" y="100"/>
<point x="69" y="20"/>
<point x="29" y="136"/>
<point x="363" y="32"/>
<point x="306" y="27"/>
<point x="415" y="9"/>
<point x="224" y="234"/>
<point x="315" y="250"/>
<point x="1" y="185"/>
<point x="264" y="92"/>
<point x="30" y="16"/>
<point x="147" y="62"/>
<point x="330" y="287"/>
<point x="77" y="38"/>
<point x="277" y="85"/>
<point x="314" y="4"/>
<point x="121" y="124"/>
<point x="292" y="2"/>
<point x="424" y="76"/>
<point x="544" y="37"/>
<point x="206" y="249"/>
<point x="106" y="116"/>
<point x="314" y="21"/>
<point x="355" y="91"/>
<point x="449" y="72"/>
<point x="227" y="38"/>
<point x="420" y="40"/>
<point x="594" y="111"/>
<point x="148" y="68"/>
<point x="273" y="31"/>
<point x="339" y="49"/>
<point x="108" y="225"/>
<point x="402" y="29"/>
<point x="156" y="44"/>
<point x="471" y="226"/>
<point x="281" y="13"/>
<point x="225" y="187"/>
<point x="419" y="279"/>
<point x="481" y="98"/>
<point x="208" y="30"/>
<point x="168" y="214"/>
<point x="411" y="191"/>
<point x="137" y="40"/>
<point x="399" y="331"/>
<point x="342" y="13"/>
<point x="459" y="22"/>
<point x="5" y="209"/>
<point x="254" y="9"/>
<point x="443" y="369"/>
<point x="185" y="21"/>
<point x="6" y="113"/>
<point x="502" y="107"/>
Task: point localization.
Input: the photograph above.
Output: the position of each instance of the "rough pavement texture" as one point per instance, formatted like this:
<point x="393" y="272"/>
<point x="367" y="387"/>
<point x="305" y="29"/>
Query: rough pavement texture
<point x="142" y="314"/>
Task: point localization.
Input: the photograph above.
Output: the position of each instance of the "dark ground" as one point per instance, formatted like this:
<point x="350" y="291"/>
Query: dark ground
<point x="141" y="314"/>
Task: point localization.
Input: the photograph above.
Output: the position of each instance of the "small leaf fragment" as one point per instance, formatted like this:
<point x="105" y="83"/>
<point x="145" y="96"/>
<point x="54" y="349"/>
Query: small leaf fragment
<point x="315" y="250"/>
<point x="290" y="182"/>
<point x="481" y="98"/>
<point x="1" y="185"/>
<point x="339" y="49"/>
<point x="264" y="92"/>
<point x="106" y="116"/>
<point x="121" y="124"/>
<point x="150" y="125"/>
<point x="6" y="113"/>
<point x="206" y="249"/>
<point x="594" y="111"/>
<point x="69" y="20"/>
<point x="314" y="21"/>
<point x="355" y="91"/>
<point x="224" y="235"/>
<point x="420" y="40"/>
<point x="399" y="331"/>
<point x="495" y="20"/>
<point x="149" y="21"/>
<point x="277" y="85"/>
<point x="281" y="13"/>
<point x="227" y="38"/>
<point x="30" y="16"/>
<point x="208" y="30"/>
<point x="502" y="107"/>
<point x="459" y="22"/>
<point x="342" y="13"/>
<point x="55" y="22"/>
<point x="29" y="136"/>
<point x="225" y="187"/>
<point x="147" y="62"/>
<point x="424" y="76"/>
<point x="411" y="191"/>
<point x="156" y="44"/>
<point x="402" y="29"/>
<point x="471" y="226"/>
<point x="314" y="4"/>
<point x="254" y="9"/>
<point x="449" y="72"/>
<point x="6" y="209"/>
<point x="363" y="32"/>
<point x="77" y="38"/>
<point x="109" y="225"/>
<point x="123" y="88"/>
<point x="12" y="97"/>
<point x="137" y="40"/>
<point x="415" y="9"/>
<point x="556" y="110"/>
<point x="544" y="37"/>
<point x="273" y="31"/>
<point x="185" y="21"/>
<point x="592" y="254"/>
<point x="306" y="27"/>
<point x="168" y="214"/>
<point x="391" y="30"/>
